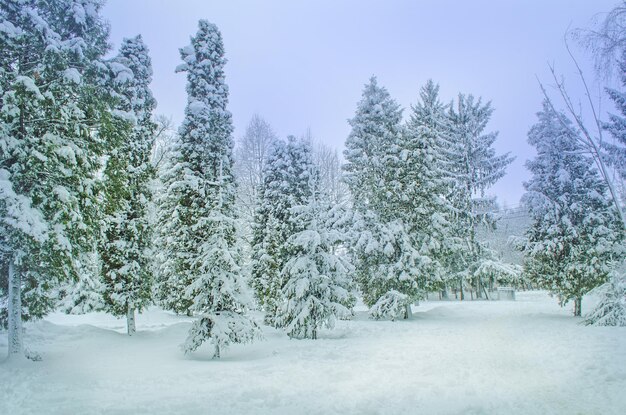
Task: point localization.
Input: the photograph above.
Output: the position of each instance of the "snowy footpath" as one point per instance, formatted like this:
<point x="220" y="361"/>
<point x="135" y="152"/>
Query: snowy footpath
<point x="522" y="357"/>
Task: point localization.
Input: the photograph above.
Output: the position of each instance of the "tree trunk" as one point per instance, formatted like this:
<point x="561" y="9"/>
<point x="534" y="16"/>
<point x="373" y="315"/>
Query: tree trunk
<point x="189" y="313"/>
<point x="217" y="352"/>
<point x="479" y="291"/>
<point x="16" y="343"/>
<point x="486" y="293"/>
<point x="461" y="288"/>
<point x="578" y="302"/>
<point x="408" y="313"/>
<point x="130" y="320"/>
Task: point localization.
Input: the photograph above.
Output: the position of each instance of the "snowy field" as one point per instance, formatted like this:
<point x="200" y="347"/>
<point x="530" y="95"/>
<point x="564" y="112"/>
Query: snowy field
<point x="523" y="357"/>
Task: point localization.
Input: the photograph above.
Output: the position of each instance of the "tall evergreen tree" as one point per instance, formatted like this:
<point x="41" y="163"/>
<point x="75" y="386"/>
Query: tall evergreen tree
<point x="574" y="237"/>
<point x="286" y="184"/>
<point x="53" y="121"/>
<point x="385" y="258"/>
<point x="376" y="127"/>
<point x="474" y="167"/>
<point x="423" y="185"/>
<point x="201" y="272"/>
<point x="126" y="239"/>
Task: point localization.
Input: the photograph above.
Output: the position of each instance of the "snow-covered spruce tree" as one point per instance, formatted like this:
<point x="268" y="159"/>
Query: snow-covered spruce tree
<point x="219" y="292"/>
<point x="474" y="167"/>
<point x="197" y="224"/>
<point x="51" y="131"/>
<point x="286" y="184"/>
<point x="422" y="184"/>
<point x="170" y="241"/>
<point x="574" y="237"/>
<point x="383" y="253"/>
<point x="317" y="283"/>
<point x="126" y="241"/>
<point x="376" y="127"/>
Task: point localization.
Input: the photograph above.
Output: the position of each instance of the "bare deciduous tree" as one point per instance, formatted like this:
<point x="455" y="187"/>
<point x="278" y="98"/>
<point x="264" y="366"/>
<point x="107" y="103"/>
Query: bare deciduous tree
<point x="590" y="136"/>
<point x="328" y="162"/>
<point x="606" y="40"/>
<point x="250" y="157"/>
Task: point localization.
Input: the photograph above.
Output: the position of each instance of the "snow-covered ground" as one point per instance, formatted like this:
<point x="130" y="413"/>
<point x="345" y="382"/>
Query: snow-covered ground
<point x="522" y="357"/>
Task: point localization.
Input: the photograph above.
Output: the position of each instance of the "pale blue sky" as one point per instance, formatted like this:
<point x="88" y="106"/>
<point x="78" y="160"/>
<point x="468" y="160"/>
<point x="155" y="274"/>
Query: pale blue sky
<point x="303" y="64"/>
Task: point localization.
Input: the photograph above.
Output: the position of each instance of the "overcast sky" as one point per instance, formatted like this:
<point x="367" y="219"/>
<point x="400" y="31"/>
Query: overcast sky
<point x="302" y="64"/>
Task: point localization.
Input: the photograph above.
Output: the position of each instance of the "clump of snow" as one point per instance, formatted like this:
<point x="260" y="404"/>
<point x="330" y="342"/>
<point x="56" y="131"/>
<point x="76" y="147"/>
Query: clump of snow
<point x="72" y="75"/>
<point x="29" y="85"/>
<point x="122" y="73"/>
<point x="62" y="193"/>
<point x="18" y="212"/>
<point x="9" y="29"/>
<point x="127" y="116"/>
<point x="196" y="107"/>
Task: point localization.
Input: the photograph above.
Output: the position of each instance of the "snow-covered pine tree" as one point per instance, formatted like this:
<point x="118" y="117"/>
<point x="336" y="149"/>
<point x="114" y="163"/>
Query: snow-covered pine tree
<point x="286" y="184"/>
<point x="422" y="183"/>
<point x="197" y="230"/>
<point x="385" y="258"/>
<point x="474" y="167"/>
<point x="126" y="241"/>
<point x="220" y="293"/>
<point x="170" y="237"/>
<point x="574" y="237"/>
<point x="317" y="284"/>
<point x="271" y="230"/>
<point x="52" y="123"/>
<point x="376" y="127"/>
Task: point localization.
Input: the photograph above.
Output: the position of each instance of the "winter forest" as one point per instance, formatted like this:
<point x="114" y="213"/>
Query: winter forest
<point x="153" y="266"/>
